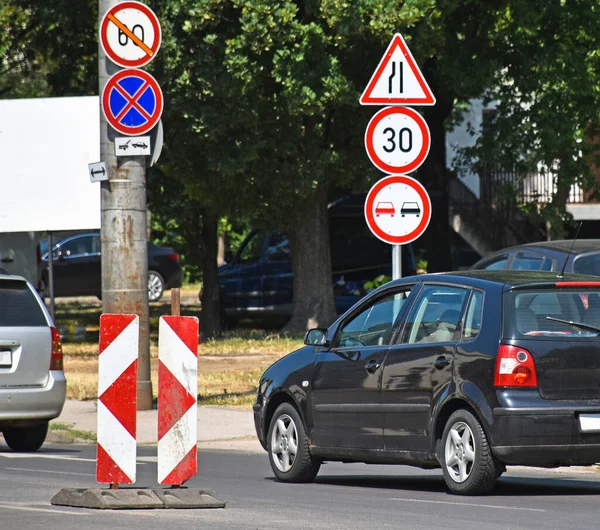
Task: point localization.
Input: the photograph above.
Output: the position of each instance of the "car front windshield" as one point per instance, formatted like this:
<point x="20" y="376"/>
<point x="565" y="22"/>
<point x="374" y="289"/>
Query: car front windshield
<point x="560" y="313"/>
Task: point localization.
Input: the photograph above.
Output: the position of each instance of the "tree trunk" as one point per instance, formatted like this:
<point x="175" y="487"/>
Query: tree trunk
<point x="221" y="247"/>
<point x="210" y="317"/>
<point x="313" y="304"/>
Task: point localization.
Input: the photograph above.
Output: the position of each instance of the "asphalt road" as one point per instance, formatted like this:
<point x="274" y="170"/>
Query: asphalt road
<point x="344" y="496"/>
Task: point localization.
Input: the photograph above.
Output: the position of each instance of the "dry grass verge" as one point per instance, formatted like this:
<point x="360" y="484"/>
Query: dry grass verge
<point x="228" y="368"/>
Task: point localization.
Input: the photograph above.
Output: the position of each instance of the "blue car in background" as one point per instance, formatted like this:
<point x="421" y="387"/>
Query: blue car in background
<point x="257" y="281"/>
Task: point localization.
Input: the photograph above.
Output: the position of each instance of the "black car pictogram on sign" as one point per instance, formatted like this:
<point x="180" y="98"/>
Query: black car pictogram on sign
<point x="410" y="208"/>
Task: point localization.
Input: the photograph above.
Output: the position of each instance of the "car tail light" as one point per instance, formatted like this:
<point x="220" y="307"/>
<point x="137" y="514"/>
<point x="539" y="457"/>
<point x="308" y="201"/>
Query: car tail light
<point x="56" y="360"/>
<point x="514" y="367"/>
<point x="577" y="284"/>
<point x="174" y="256"/>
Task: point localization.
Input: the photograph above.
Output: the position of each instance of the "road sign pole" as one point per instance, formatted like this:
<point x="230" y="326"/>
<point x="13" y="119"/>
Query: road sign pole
<point x="50" y="285"/>
<point x="124" y="239"/>
<point x="396" y="262"/>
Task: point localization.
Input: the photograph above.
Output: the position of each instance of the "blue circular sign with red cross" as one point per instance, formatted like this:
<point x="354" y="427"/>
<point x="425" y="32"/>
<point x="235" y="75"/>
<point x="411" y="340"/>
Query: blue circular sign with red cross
<point x="132" y="102"/>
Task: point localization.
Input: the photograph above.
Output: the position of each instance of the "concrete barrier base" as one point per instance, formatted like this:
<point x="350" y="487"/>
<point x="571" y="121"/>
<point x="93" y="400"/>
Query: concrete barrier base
<point x="187" y="498"/>
<point x="136" y="498"/>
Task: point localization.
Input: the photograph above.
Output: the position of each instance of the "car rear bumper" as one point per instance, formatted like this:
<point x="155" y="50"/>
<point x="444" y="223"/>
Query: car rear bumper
<point x="22" y="405"/>
<point x="539" y="432"/>
<point x="175" y="279"/>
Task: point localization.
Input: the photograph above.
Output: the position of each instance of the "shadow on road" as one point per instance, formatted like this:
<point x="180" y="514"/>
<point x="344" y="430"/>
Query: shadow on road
<point x="45" y="450"/>
<point x="506" y="487"/>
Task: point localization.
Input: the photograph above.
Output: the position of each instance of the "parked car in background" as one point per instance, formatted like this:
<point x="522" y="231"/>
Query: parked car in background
<point x="257" y="281"/>
<point x="547" y="256"/>
<point x="32" y="382"/>
<point x="77" y="268"/>
<point x="467" y="371"/>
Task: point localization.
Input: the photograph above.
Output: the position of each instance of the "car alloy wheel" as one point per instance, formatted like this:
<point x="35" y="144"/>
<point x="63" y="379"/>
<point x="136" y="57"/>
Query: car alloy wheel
<point x="284" y="443"/>
<point x="466" y="458"/>
<point x="288" y="446"/>
<point x="460" y="452"/>
<point x="156" y="286"/>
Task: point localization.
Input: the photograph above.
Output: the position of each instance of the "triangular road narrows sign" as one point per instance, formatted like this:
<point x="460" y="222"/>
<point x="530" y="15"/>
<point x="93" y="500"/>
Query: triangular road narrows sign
<point x="397" y="80"/>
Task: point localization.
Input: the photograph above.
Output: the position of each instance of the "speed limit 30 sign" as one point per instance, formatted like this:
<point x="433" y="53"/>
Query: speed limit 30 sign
<point x="397" y="140"/>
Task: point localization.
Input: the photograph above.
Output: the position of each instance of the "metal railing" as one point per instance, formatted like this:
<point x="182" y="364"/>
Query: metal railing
<point x="531" y="187"/>
<point x="497" y="219"/>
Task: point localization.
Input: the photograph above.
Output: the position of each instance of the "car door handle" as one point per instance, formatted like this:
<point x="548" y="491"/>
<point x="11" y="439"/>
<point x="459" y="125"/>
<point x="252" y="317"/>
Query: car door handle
<point x="372" y="366"/>
<point x="441" y="362"/>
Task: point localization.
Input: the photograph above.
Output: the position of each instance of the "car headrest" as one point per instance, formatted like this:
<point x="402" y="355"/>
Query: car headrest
<point x="450" y="316"/>
<point x="594" y="301"/>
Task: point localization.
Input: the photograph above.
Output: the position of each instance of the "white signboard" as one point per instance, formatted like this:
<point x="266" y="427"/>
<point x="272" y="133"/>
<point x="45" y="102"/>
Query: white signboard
<point x="46" y="145"/>
<point x="132" y="146"/>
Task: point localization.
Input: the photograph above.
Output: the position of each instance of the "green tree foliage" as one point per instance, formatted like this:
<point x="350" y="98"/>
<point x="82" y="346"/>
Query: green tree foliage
<point x="48" y="48"/>
<point x="264" y="99"/>
<point x="262" y="118"/>
<point x="546" y="92"/>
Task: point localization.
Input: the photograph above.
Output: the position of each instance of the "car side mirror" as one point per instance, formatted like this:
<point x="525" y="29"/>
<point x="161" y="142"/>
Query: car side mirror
<point x="316" y="337"/>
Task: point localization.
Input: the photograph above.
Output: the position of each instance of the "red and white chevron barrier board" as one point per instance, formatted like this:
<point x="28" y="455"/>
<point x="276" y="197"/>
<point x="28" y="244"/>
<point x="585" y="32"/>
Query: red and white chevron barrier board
<point x="177" y="399"/>
<point x="117" y="398"/>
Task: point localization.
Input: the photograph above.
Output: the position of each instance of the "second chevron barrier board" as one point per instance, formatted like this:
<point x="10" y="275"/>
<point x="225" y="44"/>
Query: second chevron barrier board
<point x="177" y="399"/>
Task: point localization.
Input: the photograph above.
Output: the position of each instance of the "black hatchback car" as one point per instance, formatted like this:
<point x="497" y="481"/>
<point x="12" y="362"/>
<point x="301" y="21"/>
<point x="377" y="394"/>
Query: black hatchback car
<point x="77" y="268"/>
<point x="467" y="371"/>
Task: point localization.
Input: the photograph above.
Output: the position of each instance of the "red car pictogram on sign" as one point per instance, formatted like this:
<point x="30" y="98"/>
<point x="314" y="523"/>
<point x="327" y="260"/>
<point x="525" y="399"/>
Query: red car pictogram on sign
<point x="385" y="208"/>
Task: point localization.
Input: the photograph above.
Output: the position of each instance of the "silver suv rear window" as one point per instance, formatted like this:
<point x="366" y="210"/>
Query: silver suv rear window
<point x="19" y="306"/>
<point x="546" y="313"/>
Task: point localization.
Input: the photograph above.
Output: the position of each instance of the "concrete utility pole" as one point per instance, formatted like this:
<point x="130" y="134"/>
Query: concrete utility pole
<point x="124" y="229"/>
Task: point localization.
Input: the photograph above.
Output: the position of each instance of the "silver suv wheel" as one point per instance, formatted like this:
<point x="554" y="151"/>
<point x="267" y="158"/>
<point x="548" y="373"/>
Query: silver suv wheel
<point x="156" y="286"/>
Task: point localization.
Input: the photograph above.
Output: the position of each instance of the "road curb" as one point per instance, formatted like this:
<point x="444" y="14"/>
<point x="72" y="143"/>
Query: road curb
<point x="136" y="498"/>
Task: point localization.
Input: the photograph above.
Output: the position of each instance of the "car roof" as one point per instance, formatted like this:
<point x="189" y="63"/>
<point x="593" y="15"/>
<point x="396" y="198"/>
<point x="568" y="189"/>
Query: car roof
<point x="506" y="277"/>
<point x="580" y="246"/>
<point x="11" y="277"/>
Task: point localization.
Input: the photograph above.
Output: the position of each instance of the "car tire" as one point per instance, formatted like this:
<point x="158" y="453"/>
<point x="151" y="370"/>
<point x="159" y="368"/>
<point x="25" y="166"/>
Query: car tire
<point x="156" y="286"/>
<point x="286" y="432"/>
<point x="467" y="461"/>
<point x="26" y="439"/>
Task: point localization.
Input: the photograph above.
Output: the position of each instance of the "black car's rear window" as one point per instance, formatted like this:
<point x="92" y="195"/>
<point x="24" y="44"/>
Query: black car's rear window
<point x="538" y="313"/>
<point x="18" y="305"/>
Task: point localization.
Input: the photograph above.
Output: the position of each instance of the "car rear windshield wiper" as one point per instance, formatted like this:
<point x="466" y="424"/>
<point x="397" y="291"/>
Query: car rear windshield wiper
<point x="575" y="324"/>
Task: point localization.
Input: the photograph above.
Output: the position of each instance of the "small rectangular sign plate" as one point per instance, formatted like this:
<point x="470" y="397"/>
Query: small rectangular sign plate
<point x="132" y="146"/>
<point x="5" y="358"/>
<point x="97" y="171"/>
<point x="589" y="422"/>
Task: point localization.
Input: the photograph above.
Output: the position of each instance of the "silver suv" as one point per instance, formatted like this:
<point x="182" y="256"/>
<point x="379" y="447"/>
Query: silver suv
<point x="32" y="381"/>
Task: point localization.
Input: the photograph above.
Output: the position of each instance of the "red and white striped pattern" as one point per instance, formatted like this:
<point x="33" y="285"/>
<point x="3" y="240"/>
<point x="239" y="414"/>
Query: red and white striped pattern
<point x="117" y="398"/>
<point x="177" y="399"/>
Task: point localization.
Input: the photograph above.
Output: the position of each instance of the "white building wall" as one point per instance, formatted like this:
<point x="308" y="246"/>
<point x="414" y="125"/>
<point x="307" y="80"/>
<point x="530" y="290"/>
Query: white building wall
<point x="462" y="136"/>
